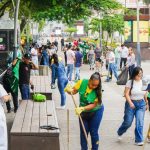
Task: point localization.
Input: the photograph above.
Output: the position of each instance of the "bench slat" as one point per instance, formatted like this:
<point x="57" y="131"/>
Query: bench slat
<point x="28" y="117"/>
<point x="43" y="116"/>
<point x="35" y="117"/>
<point x="51" y="119"/>
<point x="19" y="118"/>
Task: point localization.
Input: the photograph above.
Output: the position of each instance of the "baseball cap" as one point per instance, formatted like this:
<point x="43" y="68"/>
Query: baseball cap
<point x="27" y="56"/>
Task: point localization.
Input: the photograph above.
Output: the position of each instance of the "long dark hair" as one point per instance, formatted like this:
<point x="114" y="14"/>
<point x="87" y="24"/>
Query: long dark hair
<point x="135" y="72"/>
<point x="97" y="76"/>
<point x="55" y="57"/>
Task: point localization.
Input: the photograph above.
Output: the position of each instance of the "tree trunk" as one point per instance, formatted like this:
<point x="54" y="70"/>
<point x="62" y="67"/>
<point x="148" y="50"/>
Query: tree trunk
<point x="107" y="39"/>
<point x="23" y="24"/>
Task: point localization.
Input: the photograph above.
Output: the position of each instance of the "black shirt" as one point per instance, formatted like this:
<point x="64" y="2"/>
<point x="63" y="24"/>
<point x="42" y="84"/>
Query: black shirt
<point x="24" y="73"/>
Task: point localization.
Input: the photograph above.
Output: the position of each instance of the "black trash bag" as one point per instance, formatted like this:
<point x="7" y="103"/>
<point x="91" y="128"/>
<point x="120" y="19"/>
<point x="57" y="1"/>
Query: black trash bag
<point x="123" y="77"/>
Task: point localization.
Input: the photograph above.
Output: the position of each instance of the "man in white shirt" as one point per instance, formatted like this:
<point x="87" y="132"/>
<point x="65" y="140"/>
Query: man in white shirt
<point x="111" y="65"/>
<point x="34" y="54"/>
<point x="70" y="63"/>
<point x="3" y="127"/>
<point x="117" y="56"/>
<point x="124" y="55"/>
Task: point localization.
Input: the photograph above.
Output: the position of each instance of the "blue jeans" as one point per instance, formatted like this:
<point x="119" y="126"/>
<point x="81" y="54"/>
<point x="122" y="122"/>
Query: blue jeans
<point x="77" y="73"/>
<point x="69" y="71"/>
<point x="25" y="91"/>
<point x="138" y="112"/>
<point x="112" y="68"/>
<point x="117" y="62"/>
<point x="62" y="82"/>
<point x="91" y="125"/>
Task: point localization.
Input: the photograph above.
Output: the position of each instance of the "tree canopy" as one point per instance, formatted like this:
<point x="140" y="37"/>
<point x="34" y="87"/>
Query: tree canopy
<point x="67" y="11"/>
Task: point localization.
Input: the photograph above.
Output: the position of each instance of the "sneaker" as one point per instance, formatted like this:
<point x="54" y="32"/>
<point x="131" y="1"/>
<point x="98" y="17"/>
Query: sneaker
<point x="139" y="144"/>
<point x="9" y="111"/>
<point x="61" y="107"/>
<point x="119" y="137"/>
<point x="53" y="86"/>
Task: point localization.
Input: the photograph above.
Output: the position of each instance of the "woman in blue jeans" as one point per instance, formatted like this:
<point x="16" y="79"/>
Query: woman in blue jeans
<point x="90" y="108"/>
<point x="59" y="73"/>
<point x="135" y="106"/>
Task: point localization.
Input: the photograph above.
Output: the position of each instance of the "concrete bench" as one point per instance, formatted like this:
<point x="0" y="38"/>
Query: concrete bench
<point x="26" y="133"/>
<point x="42" y="85"/>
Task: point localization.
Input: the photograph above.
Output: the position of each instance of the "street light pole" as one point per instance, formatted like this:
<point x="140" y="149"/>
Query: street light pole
<point x="15" y="28"/>
<point x="138" y="36"/>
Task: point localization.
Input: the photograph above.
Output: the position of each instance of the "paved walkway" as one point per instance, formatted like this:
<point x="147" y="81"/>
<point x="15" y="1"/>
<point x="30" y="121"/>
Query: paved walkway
<point x="114" y="109"/>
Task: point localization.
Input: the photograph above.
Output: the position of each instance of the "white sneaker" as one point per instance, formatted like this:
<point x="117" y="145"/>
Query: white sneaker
<point x="61" y="107"/>
<point x="119" y="138"/>
<point x="139" y="144"/>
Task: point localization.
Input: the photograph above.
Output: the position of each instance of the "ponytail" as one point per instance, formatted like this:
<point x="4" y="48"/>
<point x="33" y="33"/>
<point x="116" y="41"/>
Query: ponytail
<point x="97" y="76"/>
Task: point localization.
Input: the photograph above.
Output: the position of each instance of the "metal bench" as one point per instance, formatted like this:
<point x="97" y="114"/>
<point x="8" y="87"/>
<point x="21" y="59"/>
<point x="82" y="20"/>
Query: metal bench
<point x="42" y="85"/>
<point x="26" y="133"/>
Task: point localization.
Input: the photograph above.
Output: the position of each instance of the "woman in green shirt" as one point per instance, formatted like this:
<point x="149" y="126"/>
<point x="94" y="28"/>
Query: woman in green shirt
<point x="90" y="108"/>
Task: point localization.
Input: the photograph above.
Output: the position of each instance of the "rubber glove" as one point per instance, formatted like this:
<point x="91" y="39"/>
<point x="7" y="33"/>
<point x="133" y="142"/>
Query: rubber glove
<point x="68" y="88"/>
<point x="79" y="110"/>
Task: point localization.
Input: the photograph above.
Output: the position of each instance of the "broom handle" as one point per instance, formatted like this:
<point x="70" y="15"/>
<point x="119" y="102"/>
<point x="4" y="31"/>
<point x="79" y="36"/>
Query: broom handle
<point x="68" y="126"/>
<point x="85" y="134"/>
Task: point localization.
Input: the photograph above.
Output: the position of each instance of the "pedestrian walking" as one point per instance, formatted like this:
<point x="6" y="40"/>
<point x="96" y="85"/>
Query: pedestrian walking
<point x="131" y="62"/>
<point x="98" y="60"/>
<point x="59" y="73"/>
<point x="124" y="55"/>
<point x="91" y="58"/>
<point x="91" y="108"/>
<point x="25" y="67"/>
<point x="111" y="65"/>
<point x="70" y="62"/>
<point x="11" y="83"/>
<point x="56" y="44"/>
<point x="45" y="56"/>
<point x="78" y="63"/>
<point x="62" y="43"/>
<point x="65" y="53"/>
<point x="4" y="97"/>
<point x="117" y="56"/>
<point x="135" y="106"/>
<point x="34" y="55"/>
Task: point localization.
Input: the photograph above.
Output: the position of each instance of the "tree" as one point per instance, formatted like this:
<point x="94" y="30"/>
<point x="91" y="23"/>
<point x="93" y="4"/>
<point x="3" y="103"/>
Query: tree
<point x="110" y="23"/>
<point x="71" y="30"/>
<point x="67" y="11"/>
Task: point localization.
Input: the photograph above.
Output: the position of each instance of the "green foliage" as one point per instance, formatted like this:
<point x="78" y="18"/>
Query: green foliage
<point x="110" y="23"/>
<point x="67" y="11"/>
<point x="130" y="12"/>
<point x="147" y="2"/>
<point x="113" y="23"/>
<point x="41" y="25"/>
<point x="71" y="31"/>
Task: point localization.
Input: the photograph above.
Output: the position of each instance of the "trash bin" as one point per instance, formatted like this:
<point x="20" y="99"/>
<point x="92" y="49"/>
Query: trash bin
<point x="43" y="70"/>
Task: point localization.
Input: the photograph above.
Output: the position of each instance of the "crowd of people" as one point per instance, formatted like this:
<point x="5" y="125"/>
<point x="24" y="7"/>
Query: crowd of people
<point x="91" y="107"/>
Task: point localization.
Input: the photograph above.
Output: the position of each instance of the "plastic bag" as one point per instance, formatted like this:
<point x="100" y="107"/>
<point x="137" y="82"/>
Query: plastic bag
<point x="39" y="97"/>
<point x="123" y="77"/>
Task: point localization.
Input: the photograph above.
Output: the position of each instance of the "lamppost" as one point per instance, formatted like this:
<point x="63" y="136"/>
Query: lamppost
<point x="138" y="36"/>
<point x="16" y="8"/>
